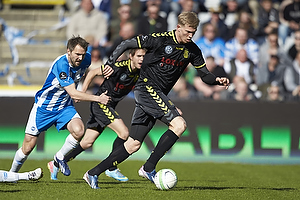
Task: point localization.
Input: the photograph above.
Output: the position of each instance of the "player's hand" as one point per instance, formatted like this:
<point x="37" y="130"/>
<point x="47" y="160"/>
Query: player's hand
<point x="76" y="101"/>
<point x="107" y="71"/>
<point x="103" y="98"/>
<point x="223" y="81"/>
<point x="180" y="112"/>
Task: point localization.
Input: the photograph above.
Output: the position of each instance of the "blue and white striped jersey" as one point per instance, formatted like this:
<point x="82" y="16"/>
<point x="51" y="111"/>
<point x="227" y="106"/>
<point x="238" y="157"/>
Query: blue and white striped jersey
<point x="53" y="96"/>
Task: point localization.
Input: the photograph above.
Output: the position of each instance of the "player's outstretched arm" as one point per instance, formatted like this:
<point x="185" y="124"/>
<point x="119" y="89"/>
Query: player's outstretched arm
<point x="81" y="96"/>
<point x="89" y="77"/>
<point x="106" y="71"/>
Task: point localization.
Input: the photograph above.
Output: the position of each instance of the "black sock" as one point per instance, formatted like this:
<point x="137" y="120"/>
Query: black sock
<point x="118" y="141"/>
<point x="74" y="153"/>
<point x="115" y="157"/>
<point x="166" y="141"/>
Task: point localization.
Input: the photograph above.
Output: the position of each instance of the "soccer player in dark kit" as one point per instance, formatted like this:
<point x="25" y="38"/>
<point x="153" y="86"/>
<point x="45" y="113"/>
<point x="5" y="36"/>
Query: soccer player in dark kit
<point x="117" y="86"/>
<point x="168" y="54"/>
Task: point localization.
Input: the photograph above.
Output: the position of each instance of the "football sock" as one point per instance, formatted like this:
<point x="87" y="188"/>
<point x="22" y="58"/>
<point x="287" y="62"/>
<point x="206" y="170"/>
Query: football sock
<point x="115" y="157"/>
<point x="166" y="141"/>
<point x="18" y="161"/>
<point x="69" y="145"/>
<point x="118" y="141"/>
<point x="74" y="153"/>
<point x="9" y="176"/>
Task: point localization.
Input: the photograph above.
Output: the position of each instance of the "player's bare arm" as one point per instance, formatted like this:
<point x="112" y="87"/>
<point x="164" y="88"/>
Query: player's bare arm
<point x="81" y="96"/>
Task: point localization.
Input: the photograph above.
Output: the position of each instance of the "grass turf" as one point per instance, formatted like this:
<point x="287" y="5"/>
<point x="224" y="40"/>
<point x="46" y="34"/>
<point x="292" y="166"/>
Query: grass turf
<point x="195" y="181"/>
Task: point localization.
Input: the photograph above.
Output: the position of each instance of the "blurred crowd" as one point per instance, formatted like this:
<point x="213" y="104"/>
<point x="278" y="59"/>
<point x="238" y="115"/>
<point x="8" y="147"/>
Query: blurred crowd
<point x="255" y="43"/>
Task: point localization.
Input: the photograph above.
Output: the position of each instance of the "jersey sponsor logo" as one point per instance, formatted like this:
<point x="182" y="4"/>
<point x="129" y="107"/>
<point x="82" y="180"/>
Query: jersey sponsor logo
<point x="122" y="87"/>
<point x="173" y="62"/>
<point x="63" y="75"/>
<point x="168" y="49"/>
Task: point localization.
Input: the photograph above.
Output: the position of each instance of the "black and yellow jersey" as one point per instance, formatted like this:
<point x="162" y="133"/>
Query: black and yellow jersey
<point x="165" y="60"/>
<point x="120" y="83"/>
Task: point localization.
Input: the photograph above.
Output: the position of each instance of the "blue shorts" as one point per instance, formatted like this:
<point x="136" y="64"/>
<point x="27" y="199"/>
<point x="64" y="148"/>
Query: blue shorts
<point x="40" y="120"/>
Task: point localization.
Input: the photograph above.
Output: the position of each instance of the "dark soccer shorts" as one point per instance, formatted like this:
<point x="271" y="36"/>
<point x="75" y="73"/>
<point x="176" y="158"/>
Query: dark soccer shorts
<point x="151" y="103"/>
<point x="101" y="116"/>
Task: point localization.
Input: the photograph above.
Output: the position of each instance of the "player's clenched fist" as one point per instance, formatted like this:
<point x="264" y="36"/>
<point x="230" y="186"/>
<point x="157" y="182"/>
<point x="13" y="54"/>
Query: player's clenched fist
<point x="223" y="81"/>
<point x="103" y="98"/>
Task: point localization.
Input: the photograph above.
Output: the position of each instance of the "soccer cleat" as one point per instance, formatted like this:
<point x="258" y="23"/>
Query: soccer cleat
<point x="63" y="166"/>
<point x="36" y="174"/>
<point x="91" y="180"/>
<point x="147" y="175"/>
<point x="116" y="174"/>
<point x="53" y="170"/>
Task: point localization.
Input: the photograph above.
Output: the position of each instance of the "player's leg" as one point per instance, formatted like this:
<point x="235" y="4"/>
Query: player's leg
<point x="122" y="152"/>
<point x="70" y="119"/>
<point x="23" y="152"/>
<point x="166" y="141"/>
<point x="87" y="141"/>
<point x="6" y="176"/>
<point x="121" y="129"/>
<point x="29" y="141"/>
<point x="170" y="116"/>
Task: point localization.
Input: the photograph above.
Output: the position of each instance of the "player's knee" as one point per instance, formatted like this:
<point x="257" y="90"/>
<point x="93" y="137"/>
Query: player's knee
<point x="78" y="132"/>
<point x="178" y="126"/>
<point x="124" y="134"/>
<point x="26" y="149"/>
<point x="132" y="145"/>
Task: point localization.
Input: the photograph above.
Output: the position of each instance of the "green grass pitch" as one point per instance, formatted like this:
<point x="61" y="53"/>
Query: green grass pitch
<point x="195" y="181"/>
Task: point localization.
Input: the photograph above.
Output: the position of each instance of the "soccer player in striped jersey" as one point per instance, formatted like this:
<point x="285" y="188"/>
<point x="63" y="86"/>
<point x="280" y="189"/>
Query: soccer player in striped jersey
<point x="119" y="84"/>
<point x="54" y="103"/>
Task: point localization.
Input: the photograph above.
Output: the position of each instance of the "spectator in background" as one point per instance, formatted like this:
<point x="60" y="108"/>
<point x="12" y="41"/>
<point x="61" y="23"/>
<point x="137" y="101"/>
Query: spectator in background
<point x="241" y="66"/>
<point x="270" y="74"/>
<point x="295" y="49"/>
<point x="124" y="16"/>
<point x="211" y="45"/>
<point x="230" y="10"/>
<point x="151" y="21"/>
<point x="268" y="20"/>
<point x="89" y="22"/>
<point x="272" y="47"/>
<point x="292" y="78"/>
<point x="127" y="31"/>
<point x="218" y="23"/>
<point x="184" y="5"/>
<point x="103" y="6"/>
<point x="182" y="90"/>
<point x="274" y="94"/>
<point x="241" y="41"/>
<point x="245" y="21"/>
<point x="241" y="91"/>
<point x="210" y="91"/>
<point x="289" y="18"/>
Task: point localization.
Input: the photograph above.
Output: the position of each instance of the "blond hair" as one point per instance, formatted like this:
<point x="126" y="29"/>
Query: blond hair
<point x="188" y="18"/>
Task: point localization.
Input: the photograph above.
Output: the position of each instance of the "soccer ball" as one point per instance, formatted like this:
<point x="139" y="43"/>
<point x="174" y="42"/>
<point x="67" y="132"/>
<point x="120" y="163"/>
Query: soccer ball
<point x="165" y="179"/>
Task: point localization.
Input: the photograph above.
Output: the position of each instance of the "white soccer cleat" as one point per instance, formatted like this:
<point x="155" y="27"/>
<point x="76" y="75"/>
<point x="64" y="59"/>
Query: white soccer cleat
<point x="147" y="175"/>
<point x="36" y="174"/>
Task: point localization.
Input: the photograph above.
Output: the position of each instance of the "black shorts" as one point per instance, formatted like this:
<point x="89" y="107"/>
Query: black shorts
<point x="152" y="104"/>
<point x="101" y="116"/>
